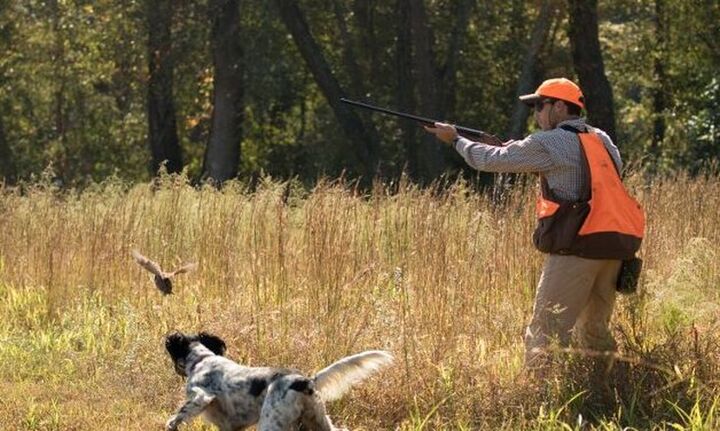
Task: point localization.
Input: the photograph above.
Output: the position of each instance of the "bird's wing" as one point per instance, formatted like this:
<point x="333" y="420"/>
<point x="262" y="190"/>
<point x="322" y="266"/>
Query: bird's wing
<point x="185" y="268"/>
<point x="148" y="264"/>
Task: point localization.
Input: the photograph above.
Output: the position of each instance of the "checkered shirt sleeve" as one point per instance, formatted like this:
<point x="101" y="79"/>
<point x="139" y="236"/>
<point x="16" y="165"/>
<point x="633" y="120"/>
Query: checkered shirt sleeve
<point x="553" y="153"/>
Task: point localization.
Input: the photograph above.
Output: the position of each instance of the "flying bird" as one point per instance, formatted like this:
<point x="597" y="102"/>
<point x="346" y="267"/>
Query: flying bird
<point x="161" y="278"/>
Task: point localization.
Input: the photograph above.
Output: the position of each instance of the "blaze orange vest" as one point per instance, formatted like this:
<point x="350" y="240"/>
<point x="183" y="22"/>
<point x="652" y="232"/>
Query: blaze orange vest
<point x="606" y="223"/>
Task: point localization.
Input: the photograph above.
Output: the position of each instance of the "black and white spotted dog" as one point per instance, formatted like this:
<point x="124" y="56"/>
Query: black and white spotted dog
<point x="234" y="397"/>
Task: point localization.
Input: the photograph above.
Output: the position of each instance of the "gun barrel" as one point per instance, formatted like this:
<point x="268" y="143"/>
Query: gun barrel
<point x="465" y="131"/>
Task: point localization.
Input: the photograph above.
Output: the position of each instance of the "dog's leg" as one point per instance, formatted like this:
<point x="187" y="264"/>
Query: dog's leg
<point x="292" y="404"/>
<point x="192" y="407"/>
<point x="315" y="418"/>
<point x="283" y="405"/>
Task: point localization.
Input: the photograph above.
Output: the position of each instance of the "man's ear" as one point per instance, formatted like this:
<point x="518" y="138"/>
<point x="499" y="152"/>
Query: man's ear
<point x="563" y="107"/>
<point x="177" y="345"/>
<point x="212" y="342"/>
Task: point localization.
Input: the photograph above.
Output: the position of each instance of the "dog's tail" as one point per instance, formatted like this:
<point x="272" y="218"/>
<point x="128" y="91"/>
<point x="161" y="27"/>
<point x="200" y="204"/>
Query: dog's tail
<point x="333" y="381"/>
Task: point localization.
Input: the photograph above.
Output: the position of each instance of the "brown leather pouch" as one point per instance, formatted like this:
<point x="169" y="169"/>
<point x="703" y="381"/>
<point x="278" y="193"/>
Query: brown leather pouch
<point x="629" y="275"/>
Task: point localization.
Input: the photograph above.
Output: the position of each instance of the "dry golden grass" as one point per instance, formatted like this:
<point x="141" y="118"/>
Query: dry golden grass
<point x="445" y="280"/>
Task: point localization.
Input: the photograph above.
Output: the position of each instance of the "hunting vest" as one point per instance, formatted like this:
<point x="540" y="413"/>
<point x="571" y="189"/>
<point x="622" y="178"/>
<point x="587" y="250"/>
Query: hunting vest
<point x="605" y="223"/>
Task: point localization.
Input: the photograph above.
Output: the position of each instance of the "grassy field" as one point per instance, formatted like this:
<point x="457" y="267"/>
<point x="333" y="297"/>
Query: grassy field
<point x="301" y="278"/>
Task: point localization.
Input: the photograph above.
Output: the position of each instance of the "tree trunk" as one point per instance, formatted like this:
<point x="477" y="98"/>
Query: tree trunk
<point x="436" y="84"/>
<point x="8" y="170"/>
<point x="431" y="162"/>
<point x="7" y="162"/>
<point x="588" y="62"/>
<point x="364" y="13"/>
<point x="60" y="114"/>
<point x="164" y="144"/>
<point x="659" y="94"/>
<point x="364" y="139"/>
<point x="448" y="75"/>
<point x="528" y="80"/>
<point x="222" y="156"/>
<point x="405" y="98"/>
<point x="357" y="78"/>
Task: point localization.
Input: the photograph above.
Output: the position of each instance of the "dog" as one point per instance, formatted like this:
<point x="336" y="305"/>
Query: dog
<point x="234" y="397"/>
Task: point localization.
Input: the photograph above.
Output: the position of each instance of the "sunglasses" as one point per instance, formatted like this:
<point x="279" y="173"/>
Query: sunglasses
<point x="541" y="103"/>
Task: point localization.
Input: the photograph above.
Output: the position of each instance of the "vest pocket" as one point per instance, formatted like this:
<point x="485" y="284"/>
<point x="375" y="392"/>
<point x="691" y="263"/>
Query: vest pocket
<point x="556" y="233"/>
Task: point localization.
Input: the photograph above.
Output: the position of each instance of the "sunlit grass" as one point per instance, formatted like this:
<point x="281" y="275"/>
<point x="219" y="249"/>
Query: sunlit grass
<point x="298" y="278"/>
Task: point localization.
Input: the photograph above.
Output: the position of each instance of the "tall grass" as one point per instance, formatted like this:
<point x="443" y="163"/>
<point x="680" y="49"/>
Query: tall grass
<point x="444" y="279"/>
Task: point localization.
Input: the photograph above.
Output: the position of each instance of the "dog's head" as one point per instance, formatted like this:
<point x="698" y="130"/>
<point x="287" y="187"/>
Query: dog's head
<point x="178" y="345"/>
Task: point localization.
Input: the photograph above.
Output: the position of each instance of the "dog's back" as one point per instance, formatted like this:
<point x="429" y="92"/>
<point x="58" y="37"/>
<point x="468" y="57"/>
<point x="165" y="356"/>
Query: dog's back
<point x="239" y="391"/>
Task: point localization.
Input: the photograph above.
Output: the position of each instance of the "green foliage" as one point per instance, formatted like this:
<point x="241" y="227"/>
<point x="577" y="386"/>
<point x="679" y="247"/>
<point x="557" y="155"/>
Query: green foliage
<point x="690" y="56"/>
<point x="70" y="91"/>
<point x="704" y="129"/>
<point x="676" y="299"/>
<point x="73" y="81"/>
<point x="698" y="418"/>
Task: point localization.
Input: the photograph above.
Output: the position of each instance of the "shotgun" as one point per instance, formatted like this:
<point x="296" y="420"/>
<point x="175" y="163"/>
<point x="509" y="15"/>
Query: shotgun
<point x="467" y="132"/>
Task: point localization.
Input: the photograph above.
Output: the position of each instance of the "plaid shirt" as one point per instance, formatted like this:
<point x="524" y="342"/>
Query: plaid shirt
<point x="552" y="153"/>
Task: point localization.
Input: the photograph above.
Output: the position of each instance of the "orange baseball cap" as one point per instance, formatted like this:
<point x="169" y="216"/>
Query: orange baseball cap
<point x="556" y="88"/>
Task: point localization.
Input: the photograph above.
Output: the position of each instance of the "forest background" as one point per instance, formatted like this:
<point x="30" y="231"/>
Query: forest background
<point x="225" y="89"/>
<point x="299" y="268"/>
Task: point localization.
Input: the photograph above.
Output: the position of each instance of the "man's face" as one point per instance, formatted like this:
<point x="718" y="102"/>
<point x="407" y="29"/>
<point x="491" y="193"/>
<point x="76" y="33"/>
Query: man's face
<point x="543" y="113"/>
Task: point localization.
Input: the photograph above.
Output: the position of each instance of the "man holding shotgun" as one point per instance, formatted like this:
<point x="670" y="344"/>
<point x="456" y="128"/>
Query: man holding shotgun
<point x="587" y="223"/>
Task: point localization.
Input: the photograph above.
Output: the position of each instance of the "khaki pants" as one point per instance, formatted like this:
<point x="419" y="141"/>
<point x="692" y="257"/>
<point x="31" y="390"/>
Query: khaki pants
<point x="575" y="296"/>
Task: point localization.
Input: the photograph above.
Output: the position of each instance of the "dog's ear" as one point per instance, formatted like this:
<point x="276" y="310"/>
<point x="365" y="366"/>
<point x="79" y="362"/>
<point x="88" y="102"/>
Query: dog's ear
<point x="177" y="345"/>
<point x="212" y="342"/>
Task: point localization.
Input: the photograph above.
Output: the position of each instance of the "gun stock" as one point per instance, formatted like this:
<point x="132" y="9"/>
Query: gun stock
<point x="463" y="131"/>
